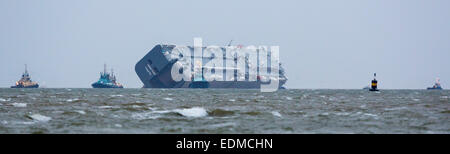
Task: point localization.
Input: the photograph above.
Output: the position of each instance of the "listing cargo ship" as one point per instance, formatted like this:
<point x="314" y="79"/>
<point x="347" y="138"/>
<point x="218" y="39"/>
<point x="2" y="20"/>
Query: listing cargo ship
<point x="154" y="70"/>
<point x="107" y="80"/>
<point x="25" y="81"/>
<point x="436" y="86"/>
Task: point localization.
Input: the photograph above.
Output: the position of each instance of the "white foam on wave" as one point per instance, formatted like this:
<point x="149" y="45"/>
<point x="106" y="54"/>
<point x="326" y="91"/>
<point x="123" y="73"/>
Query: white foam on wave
<point x="342" y="114"/>
<point x="2" y="100"/>
<point x="395" y="108"/>
<point x="136" y="106"/>
<point x="369" y="114"/>
<point x="19" y="104"/>
<point x="220" y="125"/>
<point x="324" y="114"/>
<point x="27" y="122"/>
<point x="192" y="112"/>
<point x="39" y="117"/>
<point x="161" y="112"/>
<point x="80" y="112"/>
<point x="168" y="99"/>
<point x="276" y="113"/>
<point x="289" y="98"/>
<point x="116" y="95"/>
<point x="106" y="107"/>
<point x="71" y="100"/>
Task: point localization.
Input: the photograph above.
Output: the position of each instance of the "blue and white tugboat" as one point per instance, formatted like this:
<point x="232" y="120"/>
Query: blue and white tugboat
<point x="107" y="80"/>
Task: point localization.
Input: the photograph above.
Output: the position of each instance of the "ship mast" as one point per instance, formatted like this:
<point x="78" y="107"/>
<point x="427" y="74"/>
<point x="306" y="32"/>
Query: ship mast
<point x="25" y="74"/>
<point x="104" y="69"/>
<point x="229" y="44"/>
<point x="112" y="75"/>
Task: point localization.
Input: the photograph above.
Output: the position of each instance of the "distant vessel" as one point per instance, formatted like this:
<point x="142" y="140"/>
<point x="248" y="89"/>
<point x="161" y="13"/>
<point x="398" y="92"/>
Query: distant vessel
<point x="25" y="81"/>
<point x="374" y="86"/>
<point x="107" y="80"/>
<point x="436" y="86"/>
<point x="154" y="70"/>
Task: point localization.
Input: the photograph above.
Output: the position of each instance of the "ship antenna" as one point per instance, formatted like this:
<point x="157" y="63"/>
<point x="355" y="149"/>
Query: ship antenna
<point x="104" y="69"/>
<point x="229" y="44"/>
<point x="26" y="70"/>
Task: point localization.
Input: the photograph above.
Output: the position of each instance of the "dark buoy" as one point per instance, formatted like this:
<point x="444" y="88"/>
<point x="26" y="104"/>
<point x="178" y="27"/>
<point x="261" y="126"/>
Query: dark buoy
<point x="374" y="85"/>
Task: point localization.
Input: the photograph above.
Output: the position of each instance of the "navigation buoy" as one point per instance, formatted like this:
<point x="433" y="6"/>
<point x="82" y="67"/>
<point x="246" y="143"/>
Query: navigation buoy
<point x="374" y="85"/>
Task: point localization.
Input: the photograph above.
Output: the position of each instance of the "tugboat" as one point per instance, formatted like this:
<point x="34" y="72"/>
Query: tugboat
<point x="198" y="80"/>
<point x="436" y="86"/>
<point x="107" y="80"/>
<point x="374" y="86"/>
<point x="25" y="81"/>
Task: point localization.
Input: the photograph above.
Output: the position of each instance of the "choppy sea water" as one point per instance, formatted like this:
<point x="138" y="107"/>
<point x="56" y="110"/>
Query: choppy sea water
<point x="223" y="111"/>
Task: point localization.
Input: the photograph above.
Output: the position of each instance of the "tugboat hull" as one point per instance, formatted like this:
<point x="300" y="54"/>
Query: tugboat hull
<point x="430" y="88"/>
<point x="98" y="85"/>
<point x="33" y="86"/>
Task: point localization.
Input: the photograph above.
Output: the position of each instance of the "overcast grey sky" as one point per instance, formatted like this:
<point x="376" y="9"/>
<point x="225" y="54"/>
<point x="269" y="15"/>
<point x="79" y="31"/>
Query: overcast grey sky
<point x="323" y="43"/>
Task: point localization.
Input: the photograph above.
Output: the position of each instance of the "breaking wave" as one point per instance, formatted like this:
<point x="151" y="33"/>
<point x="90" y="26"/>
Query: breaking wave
<point x="74" y="100"/>
<point x="192" y="112"/>
<point x="38" y="117"/>
<point x="168" y="99"/>
<point x="19" y="104"/>
<point x="80" y="112"/>
<point x="277" y="114"/>
<point x="116" y="95"/>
